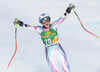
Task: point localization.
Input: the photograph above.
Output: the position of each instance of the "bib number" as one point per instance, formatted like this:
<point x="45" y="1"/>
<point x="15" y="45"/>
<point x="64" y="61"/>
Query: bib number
<point x="48" y="41"/>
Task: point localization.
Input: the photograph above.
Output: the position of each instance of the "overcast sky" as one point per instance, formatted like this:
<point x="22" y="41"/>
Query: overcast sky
<point x="82" y="49"/>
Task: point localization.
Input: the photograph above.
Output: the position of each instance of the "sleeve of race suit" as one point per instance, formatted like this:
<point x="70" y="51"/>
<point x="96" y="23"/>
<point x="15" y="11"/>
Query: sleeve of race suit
<point x="58" y="22"/>
<point x="34" y="28"/>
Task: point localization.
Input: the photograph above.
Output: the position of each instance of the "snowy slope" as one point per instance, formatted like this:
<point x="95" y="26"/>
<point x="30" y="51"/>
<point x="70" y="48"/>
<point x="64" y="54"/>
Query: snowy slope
<point x="83" y="49"/>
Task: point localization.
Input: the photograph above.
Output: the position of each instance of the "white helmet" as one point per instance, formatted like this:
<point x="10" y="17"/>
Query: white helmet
<point x="43" y="18"/>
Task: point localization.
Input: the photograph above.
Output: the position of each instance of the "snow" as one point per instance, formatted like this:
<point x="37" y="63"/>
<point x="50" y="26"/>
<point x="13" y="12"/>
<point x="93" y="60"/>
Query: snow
<point x="83" y="49"/>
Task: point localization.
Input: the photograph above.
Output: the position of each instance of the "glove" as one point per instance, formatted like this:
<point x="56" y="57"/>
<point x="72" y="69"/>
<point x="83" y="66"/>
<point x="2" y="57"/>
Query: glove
<point x="71" y="6"/>
<point x="16" y="21"/>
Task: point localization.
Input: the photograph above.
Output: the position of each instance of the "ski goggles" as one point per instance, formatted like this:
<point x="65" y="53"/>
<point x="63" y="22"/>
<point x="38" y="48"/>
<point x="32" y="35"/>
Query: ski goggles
<point x="45" y="19"/>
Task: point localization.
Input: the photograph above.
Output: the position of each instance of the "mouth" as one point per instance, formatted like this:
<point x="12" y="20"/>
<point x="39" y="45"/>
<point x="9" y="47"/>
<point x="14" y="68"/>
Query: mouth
<point x="47" y="24"/>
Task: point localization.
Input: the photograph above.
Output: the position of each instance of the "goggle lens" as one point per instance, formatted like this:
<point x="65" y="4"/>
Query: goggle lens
<point x="45" y="19"/>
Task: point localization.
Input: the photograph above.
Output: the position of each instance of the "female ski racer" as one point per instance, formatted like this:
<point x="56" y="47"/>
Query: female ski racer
<point x="55" y="54"/>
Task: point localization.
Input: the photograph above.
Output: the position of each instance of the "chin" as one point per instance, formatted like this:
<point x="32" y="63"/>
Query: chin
<point x="47" y="27"/>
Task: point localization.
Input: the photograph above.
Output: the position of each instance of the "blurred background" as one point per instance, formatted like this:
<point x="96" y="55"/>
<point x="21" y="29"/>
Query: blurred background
<point x="82" y="48"/>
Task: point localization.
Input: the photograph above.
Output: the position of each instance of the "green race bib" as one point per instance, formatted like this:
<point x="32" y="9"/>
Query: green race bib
<point x="49" y="37"/>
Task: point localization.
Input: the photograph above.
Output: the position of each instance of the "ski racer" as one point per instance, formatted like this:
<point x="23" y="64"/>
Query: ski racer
<point x="55" y="55"/>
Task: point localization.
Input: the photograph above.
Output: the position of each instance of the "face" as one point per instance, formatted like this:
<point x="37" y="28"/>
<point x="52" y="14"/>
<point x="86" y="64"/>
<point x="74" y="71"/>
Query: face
<point x="47" y="24"/>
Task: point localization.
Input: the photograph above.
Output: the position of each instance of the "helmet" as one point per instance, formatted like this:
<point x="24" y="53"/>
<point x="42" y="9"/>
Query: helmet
<point x="43" y="18"/>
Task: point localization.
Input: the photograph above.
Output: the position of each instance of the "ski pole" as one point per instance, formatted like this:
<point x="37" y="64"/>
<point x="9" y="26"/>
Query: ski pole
<point x="81" y="22"/>
<point x="15" y="44"/>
